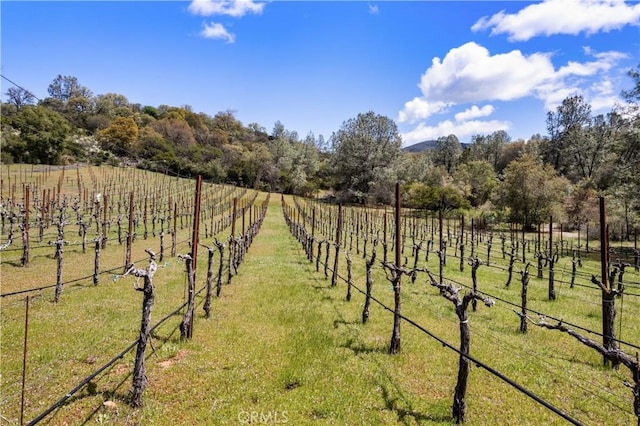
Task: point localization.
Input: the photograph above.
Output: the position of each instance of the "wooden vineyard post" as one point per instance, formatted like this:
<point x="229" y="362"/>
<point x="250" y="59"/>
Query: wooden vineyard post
<point x="394" y="346"/>
<point x="334" y="277"/>
<point x="127" y="260"/>
<point x="523" y="294"/>
<point x="173" y="230"/>
<point x="524" y="244"/>
<point x="139" y="372"/>
<point x="232" y="239"/>
<point x="551" y="259"/>
<point x="461" y="244"/>
<point x="442" y="248"/>
<point x="608" y="291"/>
<point x="24" y="358"/>
<point x="145" y="217"/>
<point x="25" y="230"/>
<point x="473" y="244"/>
<point x="103" y="240"/>
<point x="636" y="252"/>
<point x="186" y="328"/>
<point x="384" y="237"/>
<point x="313" y="233"/>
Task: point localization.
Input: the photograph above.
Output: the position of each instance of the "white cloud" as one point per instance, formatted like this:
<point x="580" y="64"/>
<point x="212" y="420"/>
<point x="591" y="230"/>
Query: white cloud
<point x="373" y="9"/>
<point x="602" y="97"/>
<point x="461" y="130"/>
<point x="235" y="8"/>
<point x="215" y="30"/>
<point x="554" y="92"/>
<point x="561" y="17"/>
<point x="419" y="109"/>
<point x="604" y="104"/>
<point x="470" y="74"/>
<point x="474" y="112"/>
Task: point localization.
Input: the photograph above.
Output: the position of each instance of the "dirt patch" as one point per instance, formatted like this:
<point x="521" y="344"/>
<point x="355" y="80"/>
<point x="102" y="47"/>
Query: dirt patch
<point x="177" y="358"/>
<point x="121" y="368"/>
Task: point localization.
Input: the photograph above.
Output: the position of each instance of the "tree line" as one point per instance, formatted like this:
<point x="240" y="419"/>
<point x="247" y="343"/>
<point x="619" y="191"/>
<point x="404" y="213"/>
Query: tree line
<point x="522" y="181"/>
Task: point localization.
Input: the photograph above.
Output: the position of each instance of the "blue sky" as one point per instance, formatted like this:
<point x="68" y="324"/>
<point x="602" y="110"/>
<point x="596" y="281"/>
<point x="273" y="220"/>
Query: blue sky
<point x="435" y="68"/>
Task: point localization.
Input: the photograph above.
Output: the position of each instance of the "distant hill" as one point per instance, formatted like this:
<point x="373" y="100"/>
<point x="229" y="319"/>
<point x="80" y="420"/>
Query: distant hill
<point x="421" y="146"/>
<point x="426" y="145"/>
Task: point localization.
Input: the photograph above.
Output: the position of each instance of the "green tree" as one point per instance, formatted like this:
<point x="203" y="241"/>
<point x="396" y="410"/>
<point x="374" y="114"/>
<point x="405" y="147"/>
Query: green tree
<point x="19" y="97"/>
<point x="120" y="136"/>
<point x="477" y="180"/>
<point x="39" y="135"/>
<point x="176" y="131"/>
<point x="64" y="87"/>
<point x="434" y="198"/>
<point x="510" y="152"/>
<point x="577" y="142"/>
<point x="413" y="167"/>
<point x="364" y="148"/>
<point x="531" y="191"/>
<point x="447" y="152"/>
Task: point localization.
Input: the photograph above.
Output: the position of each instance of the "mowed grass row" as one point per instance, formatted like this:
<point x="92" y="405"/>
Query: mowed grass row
<point x="283" y="345"/>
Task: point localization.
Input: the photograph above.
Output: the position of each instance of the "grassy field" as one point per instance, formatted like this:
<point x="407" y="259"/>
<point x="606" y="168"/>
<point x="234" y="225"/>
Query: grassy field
<point x="283" y="346"/>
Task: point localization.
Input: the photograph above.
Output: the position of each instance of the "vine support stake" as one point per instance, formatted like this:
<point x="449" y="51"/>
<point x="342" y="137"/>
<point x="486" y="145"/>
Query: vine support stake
<point x="24" y="359"/>
<point x="334" y="277"/>
<point x="194" y="246"/>
<point x="394" y="346"/>
<point x="25" y="231"/>
<point x="127" y="260"/>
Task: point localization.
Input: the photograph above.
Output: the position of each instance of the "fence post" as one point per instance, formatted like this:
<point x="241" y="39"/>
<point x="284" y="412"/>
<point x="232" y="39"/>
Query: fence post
<point x="232" y="239"/>
<point x="127" y="260"/>
<point x="334" y="277"/>
<point x="25" y="230"/>
<point x="551" y="259"/>
<point x="24" y="359"/>
<point x="608" y="292"/>
<point x="394" y="347"/>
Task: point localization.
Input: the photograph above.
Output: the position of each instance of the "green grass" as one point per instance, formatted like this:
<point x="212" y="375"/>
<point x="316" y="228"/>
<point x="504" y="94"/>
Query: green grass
<point x="282" y="345"/>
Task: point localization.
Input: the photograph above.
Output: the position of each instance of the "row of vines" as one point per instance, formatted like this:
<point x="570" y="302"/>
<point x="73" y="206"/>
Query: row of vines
<point x="74" y="258"/>
<point x="405" y="260"/>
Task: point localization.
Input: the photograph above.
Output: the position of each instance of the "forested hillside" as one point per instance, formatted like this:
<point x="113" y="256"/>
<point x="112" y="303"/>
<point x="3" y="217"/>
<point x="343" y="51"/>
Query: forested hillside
<point x="521" y="181"/>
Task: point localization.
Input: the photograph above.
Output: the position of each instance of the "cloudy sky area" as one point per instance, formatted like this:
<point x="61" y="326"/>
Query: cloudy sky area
<point x="436" y="68"/>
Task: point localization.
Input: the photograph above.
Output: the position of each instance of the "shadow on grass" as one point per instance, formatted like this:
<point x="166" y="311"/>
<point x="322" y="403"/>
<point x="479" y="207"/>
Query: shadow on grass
<point x="123" y="398"/>
<point x="341" y="321"/>
<point x="90" y="391"/>
<point x="408" y="415"/>
<point x="360" y="348"/>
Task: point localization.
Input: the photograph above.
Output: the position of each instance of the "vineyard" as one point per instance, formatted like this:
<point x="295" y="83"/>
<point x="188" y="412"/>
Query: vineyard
<point x="298" y="328"/>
